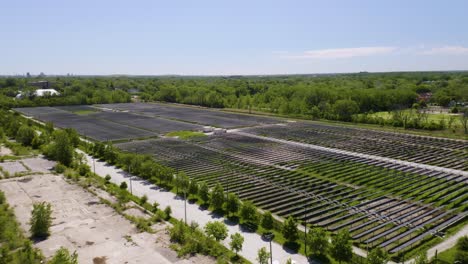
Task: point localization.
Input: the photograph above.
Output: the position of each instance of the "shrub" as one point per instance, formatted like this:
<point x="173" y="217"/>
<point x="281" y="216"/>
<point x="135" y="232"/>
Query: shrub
<point x="377" y="256"/>
<point x="158" y="216"/>
<point x="41" y="220"/>
<point x="168" y="212"/>
<point x="179" y="232"/>
<point x="60" y="168"/>
<point x="143" y="199"/>
<point x="217" y="230"/>
<point x="25" y="135"/>
<point x="62" y="256"/>
<point x="83" y="169"/>
<point x="107" y="178"/>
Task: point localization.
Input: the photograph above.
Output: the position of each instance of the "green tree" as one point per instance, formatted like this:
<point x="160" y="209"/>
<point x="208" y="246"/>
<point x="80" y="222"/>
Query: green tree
<point x="179" y="232"/>
<point x="318" y="241"/>
<point x="63" y="256"/>
<point x="217" y="197"/>
<point x="248" y="213"/>
<point x="344" y="109"/>
<point x="263" y="256"/>
<point x="237" y="240"/>
<point x="182" y="182"/>
<point x="267" y="221"/>
<point x="461" y="256"/>
<point x="464" y="119"/>
<point x="290" y="231"/>
<point x="204" y="192"/>
<point x="193" y="187"/>
<point x="25" y="135"/>
<point x="462" y="243"/>
<point x="123" y="185"/>
<point x="461" y="253"/>
<point x="377" y="256"/>
<point x="217" y="230"/>
<point x="232" y="204"/>
<point x="61" y="149"/>
<point x="41" y="219"/>
<point x="341" y="248"/>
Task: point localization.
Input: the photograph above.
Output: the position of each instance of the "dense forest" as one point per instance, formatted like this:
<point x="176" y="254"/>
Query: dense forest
<point x="344" y="97"/>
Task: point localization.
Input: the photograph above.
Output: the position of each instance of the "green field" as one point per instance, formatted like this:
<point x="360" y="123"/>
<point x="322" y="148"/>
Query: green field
<point x="84" y="112"/>
<point x="185" y="134"/>
<point x="430" y="116"/>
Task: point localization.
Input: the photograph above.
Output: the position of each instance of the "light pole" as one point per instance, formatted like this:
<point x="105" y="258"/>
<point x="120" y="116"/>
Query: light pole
<point x="305" y="229"/>
<point x="185" y="206"/>
<point x="130" y="178"/>
<point x="269" y="237"/>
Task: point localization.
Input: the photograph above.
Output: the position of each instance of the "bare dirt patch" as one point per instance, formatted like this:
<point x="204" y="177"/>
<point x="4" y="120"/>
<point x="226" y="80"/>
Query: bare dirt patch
<point x="13" y="167"/>
<point x="4" y="151"/>
<point x="137" y="212"/>
<point x="94" y="230"/>
<point x="39" y="164"/>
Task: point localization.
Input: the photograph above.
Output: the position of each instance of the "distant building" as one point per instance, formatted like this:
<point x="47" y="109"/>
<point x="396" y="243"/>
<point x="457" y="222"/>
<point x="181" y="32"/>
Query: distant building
<point x="424" y="97"/>
<point x="40" y="93"/>
<point x="133" y="91"/>
<point x="40" y="84"/>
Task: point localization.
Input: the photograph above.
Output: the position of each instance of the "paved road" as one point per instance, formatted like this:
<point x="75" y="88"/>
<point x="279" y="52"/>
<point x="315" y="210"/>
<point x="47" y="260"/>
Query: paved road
<point x="252" y="241"/>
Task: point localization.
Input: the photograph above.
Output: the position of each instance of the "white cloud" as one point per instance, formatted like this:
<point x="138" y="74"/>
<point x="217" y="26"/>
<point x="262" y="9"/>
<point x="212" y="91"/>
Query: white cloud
<point x="446" y="50"/>
<point x="343" y="53"/>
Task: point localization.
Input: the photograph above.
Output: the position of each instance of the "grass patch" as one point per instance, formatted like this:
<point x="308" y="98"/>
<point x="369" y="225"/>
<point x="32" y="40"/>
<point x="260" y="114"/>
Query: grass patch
<point x="185" y="134"/>
<point x="14" y="246"/>
<point x="447" y="256"/>
<point x="85" y="112"/>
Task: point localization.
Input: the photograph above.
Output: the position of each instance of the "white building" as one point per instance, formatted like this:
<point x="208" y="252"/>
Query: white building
<point x="40" y="93"/>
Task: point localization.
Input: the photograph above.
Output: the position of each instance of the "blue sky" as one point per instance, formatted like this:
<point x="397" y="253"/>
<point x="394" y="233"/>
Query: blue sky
<point x="231" y="37"/>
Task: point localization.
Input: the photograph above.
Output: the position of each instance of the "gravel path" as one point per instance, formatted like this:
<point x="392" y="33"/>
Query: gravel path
<point x="252" y="241"/>
<point x="449" y="243"/>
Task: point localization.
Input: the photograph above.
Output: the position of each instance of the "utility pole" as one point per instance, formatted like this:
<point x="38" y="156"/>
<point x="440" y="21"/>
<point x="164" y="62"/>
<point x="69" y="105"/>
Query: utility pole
<point x="270" y="237"/>
<point x="130" y="178"/>
<point x="185" y="206"/>
<point x="271" y="254"/>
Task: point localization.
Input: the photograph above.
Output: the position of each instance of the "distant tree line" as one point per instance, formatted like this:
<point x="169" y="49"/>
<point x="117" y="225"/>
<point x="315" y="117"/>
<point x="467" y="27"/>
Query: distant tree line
<point x="344" y="97"/>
